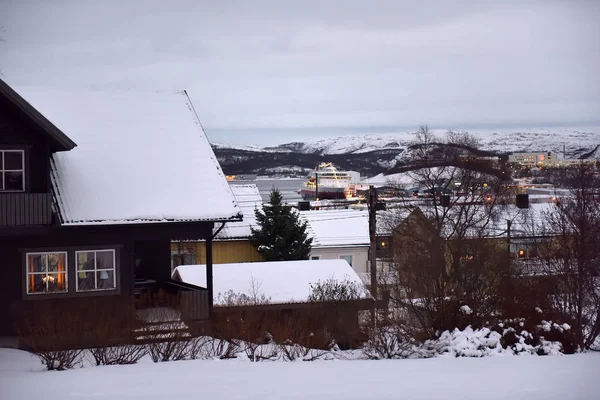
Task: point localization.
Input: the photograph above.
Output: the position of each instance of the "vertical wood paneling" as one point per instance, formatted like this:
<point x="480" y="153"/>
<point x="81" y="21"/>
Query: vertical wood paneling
<point x="230" y="251"/>
<point x="194" y="304"/>
<point x="25" y="209"/>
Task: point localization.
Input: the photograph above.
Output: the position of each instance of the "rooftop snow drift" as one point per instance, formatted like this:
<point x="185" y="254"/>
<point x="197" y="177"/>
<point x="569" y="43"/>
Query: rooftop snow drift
<point x="280" y="281"/>
<point x="140" y="157"/>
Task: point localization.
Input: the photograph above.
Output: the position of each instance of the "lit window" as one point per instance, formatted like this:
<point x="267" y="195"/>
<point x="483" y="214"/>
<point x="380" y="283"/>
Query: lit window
<point x="12" y="170"/>
<point x="46" y="272"/>
<point x="95" y="270"/>
<point x="522" y="253"/>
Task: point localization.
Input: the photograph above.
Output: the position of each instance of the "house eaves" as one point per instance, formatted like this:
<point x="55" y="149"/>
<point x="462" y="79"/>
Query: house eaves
<point x="59" y="140"/>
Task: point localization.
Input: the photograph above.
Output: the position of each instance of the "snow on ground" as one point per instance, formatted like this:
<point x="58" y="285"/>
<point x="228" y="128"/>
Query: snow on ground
<point x="569" y="377"/>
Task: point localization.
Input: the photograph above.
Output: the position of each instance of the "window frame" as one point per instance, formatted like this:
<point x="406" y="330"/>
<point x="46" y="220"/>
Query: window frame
<point x="185" y="252"/>
<point x="71" y="271"/>
<point x="3" y="170"/>
<point x="27" y="273"/>
<point x="95" y="270"/>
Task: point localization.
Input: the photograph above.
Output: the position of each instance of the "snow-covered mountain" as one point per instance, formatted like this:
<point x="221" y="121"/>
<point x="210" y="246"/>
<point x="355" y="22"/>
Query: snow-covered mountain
<point x="575" y="142"/>
<point x="379" y="153"/>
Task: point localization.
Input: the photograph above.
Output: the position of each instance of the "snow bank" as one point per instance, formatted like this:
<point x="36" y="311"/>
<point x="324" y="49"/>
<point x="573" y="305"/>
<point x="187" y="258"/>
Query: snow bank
<point x="493" y="378"/>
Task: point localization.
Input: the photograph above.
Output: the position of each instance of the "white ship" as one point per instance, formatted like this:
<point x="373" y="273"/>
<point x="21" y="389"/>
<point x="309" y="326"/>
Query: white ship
<point x="327" y="182"/>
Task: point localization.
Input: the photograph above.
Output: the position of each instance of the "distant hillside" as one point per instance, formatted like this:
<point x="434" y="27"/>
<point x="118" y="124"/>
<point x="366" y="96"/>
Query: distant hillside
<point x="374" y="154"/>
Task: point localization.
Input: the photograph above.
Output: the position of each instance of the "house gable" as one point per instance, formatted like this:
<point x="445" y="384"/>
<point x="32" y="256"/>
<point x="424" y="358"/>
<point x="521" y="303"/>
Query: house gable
<point x="17" y="106"/>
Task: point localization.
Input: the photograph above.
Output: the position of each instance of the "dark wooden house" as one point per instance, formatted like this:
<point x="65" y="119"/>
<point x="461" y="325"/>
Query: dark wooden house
<point x="93" y="189"/>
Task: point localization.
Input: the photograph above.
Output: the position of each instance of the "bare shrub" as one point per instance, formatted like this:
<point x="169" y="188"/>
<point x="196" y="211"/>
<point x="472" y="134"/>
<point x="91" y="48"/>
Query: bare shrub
<point x="337" y="304"/>
<point x="390" y="341"/>
<point x="168" y="350"/>
<point x="165" y="334"/>
<point x="241" y="324"/>
<point x="222" y="348"/>
<point x="261" y="352"/>
<point x="58" y="337"/>
<point x="197" y="347"/>
<point x="60" y="360"/>
<point x="302" y="334"/>
<point x="118" y="355"/>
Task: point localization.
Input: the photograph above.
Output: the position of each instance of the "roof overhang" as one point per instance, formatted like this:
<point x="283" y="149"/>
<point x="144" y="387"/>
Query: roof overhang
<point x="60" y="141"/>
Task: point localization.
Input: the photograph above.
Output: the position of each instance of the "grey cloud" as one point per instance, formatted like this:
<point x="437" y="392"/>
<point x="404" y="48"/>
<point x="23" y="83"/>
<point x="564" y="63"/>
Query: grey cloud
<point x="279" y="65"/>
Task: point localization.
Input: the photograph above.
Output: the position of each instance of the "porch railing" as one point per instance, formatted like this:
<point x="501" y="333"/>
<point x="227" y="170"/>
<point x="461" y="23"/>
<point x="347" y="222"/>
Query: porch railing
<point x="193" y="301"/>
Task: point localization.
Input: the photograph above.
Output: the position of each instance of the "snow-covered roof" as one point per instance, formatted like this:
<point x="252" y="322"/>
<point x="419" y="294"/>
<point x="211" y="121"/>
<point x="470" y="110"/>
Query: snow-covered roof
<point x="281" y="282"/>
<point x="333" y="228"/>
<point x="399" y="179"/>
<point x="248" y="198"/>
<point x="140" y="157"/>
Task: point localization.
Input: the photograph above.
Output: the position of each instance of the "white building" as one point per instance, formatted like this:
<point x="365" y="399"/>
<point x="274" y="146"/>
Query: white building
<point x="339" y="234"/>
<point x="537" y="159"/>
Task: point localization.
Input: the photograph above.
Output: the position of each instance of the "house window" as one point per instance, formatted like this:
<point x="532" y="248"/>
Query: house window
<point x="315" y="257"/>
<point x="46" y="272"/>
<point x="95" y="270"/>
<point x="12" y="170"/>
<point x="347" y="258"/>
<point x="182" y="258"/>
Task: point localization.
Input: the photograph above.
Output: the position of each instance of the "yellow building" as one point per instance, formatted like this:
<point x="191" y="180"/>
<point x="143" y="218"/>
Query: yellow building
<point x="232" y="244"/>
<point x="224" y="251"/>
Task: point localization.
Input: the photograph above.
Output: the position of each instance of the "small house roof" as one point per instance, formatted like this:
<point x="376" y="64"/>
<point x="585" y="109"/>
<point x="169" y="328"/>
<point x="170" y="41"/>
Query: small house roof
<point x="281" y="282"/>
<point x="337" y="228"/>
<point x="141" y="157"/>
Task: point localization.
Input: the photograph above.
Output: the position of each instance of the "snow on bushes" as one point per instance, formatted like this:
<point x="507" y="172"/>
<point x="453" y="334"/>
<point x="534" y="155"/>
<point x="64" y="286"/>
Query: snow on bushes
<point x="466" y="310"/>
<point x="485" y="342"/>
<point x="508" y="337"/>
<point x="467" y="343"/>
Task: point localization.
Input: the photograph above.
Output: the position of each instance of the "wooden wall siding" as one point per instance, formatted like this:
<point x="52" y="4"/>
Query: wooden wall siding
<point x="194" y="305"/>
<point x="18" y="132"/>
<point x="25" y="209"/>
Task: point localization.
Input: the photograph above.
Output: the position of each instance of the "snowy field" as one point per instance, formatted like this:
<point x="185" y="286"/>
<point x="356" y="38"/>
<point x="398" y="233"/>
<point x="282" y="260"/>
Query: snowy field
<point x="499" y="377"/>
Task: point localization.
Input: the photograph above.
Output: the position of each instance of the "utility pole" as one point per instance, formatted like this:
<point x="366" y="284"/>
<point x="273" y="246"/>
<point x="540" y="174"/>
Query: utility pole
<point x="372" y="204"/>
<point x="316" y="185"/>
<point x="508" y="224"/>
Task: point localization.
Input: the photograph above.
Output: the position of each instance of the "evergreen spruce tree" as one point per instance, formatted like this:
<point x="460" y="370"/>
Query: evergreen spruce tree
<point x="282" y="236"/>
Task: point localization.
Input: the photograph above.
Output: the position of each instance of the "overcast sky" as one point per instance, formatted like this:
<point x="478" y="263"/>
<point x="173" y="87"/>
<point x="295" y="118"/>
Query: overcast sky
<point x="274" y="71"/>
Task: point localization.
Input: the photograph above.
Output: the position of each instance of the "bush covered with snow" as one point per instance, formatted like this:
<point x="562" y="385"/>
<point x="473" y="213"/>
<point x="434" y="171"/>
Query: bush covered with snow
<point x="467" y="343"/>
<point x="508" y="337"/>
<point x="545" y="337"/>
